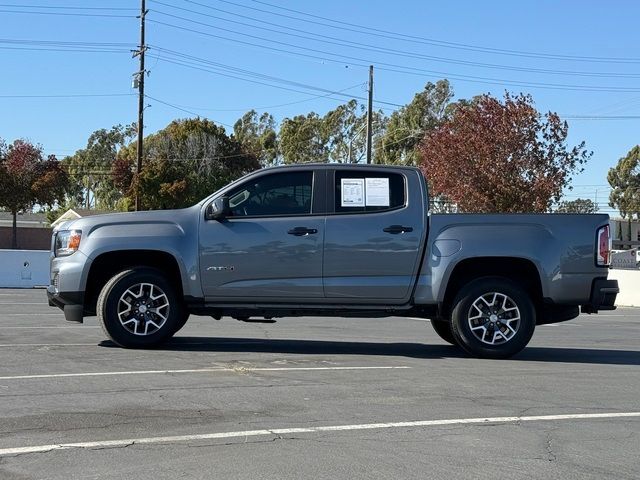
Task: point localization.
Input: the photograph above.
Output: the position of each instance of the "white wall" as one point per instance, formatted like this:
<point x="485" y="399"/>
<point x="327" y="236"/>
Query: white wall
<point x="24" y="268"/>
<point x="629" y="283"/>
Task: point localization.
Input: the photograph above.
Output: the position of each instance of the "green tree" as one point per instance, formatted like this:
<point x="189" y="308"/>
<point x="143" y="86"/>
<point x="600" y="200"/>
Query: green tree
<point x="579" y="205"/>
<point x="183" y="163"/>
<point x="258" y="137"/>
<point x="28" y="178"/>
<point x="304" y="139"/>
<point x="90" y="167"/>
<point x="500" y="156"/>
<point x="624" y="179"/>
<point x="345" y="130"/>
<point x="407" y="126"/>
<point x="338" y="136"/>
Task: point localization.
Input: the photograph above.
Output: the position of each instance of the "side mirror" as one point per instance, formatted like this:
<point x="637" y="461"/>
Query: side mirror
<point x="218" y="209"/>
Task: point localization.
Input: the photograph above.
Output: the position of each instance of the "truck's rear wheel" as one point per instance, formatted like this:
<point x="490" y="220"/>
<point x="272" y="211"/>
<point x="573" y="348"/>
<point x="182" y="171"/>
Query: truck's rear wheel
<point x="139" y="308"/>
<point x="493" y="317"/>
<point x="443" y="329"/>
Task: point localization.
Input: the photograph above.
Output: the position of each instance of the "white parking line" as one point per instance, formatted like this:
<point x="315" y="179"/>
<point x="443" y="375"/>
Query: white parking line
<point x="3" y="327"/>
<point x="197" y="370"/>
<point x="564" y="324"/>
<point x="8" y="345"/>
<point x="329" y="428"/>
<point x="14" y="345"/>
<point x="44" y="304"/>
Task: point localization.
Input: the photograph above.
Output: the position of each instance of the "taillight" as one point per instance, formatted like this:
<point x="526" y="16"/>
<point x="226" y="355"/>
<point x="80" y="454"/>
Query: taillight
<point x="603" y="254"/>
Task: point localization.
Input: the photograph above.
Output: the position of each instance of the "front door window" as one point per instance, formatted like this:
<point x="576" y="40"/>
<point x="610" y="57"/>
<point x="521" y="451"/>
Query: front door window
<point x="278" y="194"/>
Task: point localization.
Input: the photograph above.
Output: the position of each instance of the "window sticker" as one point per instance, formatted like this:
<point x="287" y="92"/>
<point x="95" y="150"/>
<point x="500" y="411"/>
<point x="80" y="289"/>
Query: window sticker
<point x="352" y="192"/>
<point x="377" y="192"/>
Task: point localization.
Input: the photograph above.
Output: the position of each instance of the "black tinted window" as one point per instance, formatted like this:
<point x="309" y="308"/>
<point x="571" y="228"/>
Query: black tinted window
<point x="277" y="194"/>
<point x="362" y="191"/>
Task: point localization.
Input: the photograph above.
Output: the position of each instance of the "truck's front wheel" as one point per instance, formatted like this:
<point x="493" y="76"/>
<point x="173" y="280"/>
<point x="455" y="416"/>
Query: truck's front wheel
<point x="139" y="308"/>
<point x="493" y="317"/>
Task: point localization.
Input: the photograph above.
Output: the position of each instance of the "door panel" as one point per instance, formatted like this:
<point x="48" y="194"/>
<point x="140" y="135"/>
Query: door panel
<point x="257" y="257"/>
<point x="374" y="254"/>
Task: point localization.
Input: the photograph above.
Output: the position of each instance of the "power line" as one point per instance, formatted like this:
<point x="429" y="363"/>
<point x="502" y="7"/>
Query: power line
<point x="373" y="48"/>
<point x="183" y="109"/>
<point x="265" y="107"/>
<point x="65" y="43"/>
<point x="242" y="71"/>
<point x="209" y="70"/>
<point x="73" y="50"/>
<point x="70" y="95"/>
<point x="328" y="94"/>
<point x="64" y="7"/>
<point x="67" y="14"/>
<point x="64" y="46"/>
<point x="194" y="62"/>
<point x="395" y="67"/>
<point x="429" y="41"/>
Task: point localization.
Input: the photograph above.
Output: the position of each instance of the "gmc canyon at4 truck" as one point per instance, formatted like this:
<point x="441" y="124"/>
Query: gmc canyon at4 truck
<point x="332" y="240"/>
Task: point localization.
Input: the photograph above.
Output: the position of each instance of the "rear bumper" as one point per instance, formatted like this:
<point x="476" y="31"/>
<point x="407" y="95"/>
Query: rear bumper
<point x="603" y="296"/>
<point x="71" y="303"/>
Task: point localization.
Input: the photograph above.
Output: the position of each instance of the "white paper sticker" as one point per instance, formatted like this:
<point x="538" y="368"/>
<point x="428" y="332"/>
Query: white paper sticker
<point x="377" y="192"/>
<point x="352" y="192"/>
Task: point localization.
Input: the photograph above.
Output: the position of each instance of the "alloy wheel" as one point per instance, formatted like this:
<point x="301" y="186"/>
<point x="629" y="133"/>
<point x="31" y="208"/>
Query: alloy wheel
<point x="494" y="318"/>
<point x="143" y="309"/>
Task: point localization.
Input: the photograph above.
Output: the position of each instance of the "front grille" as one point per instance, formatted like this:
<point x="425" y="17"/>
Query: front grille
<point x="55" y="281"/>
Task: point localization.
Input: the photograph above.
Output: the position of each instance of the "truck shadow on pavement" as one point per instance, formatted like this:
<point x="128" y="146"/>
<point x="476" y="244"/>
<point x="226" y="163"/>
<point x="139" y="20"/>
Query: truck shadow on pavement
<point x="411" y="350"/>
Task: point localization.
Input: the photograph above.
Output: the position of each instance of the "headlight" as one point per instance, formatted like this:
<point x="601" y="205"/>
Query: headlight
<point x="67" y="242"/>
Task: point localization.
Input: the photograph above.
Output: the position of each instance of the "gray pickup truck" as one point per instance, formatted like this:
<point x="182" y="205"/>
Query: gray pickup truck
<point x="332" y="240"/>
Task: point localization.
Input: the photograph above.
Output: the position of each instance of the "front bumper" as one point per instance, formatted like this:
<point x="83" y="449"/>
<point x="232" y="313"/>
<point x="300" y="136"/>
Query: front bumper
<point x="71" y="303"/>
<point x="66" y="289"/>
<point x="603" y="296"/>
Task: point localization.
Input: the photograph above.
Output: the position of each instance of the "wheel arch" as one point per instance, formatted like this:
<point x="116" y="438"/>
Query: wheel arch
<point x="521" y="270"/>
<point x="107" y="264"/>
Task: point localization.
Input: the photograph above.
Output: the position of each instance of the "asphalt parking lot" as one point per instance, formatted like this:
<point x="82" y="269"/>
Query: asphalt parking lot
<point x="314" y="398"/>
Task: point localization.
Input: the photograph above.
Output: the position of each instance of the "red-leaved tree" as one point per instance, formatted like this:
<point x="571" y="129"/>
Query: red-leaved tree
<point x="500" y="156"/>
<point x="27" y="178"/>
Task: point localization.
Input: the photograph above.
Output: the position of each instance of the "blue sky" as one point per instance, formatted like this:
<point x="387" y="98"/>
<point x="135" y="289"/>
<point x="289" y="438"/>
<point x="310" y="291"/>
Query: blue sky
<point x="455" y="39"/>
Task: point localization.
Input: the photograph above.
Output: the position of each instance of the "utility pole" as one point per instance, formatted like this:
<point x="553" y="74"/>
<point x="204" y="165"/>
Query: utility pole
<point x="370" y="114"/>
<point x="139" y="77"/>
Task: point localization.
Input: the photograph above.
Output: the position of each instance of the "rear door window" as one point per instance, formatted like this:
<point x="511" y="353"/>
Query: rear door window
<point x="361" y="191"/>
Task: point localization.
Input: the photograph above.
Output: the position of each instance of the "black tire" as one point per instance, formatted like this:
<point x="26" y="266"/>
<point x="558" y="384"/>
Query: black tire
<point x="443" y="329"/>
<point x="183" y="321"/>
<point x="492" y="324"/>
<point x="112" y="300"/>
